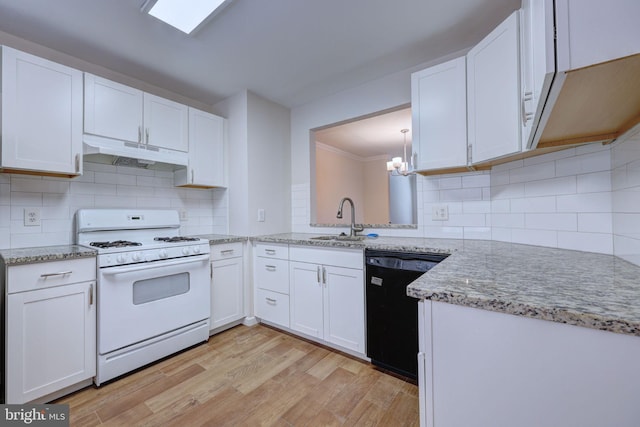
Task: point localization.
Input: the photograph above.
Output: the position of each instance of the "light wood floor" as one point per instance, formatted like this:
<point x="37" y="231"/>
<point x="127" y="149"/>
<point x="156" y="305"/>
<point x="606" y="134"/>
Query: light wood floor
<point x="250" y="376"/>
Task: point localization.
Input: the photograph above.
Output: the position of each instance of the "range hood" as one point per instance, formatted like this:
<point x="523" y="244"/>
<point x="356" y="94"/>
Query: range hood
<point x="122" y="153"/>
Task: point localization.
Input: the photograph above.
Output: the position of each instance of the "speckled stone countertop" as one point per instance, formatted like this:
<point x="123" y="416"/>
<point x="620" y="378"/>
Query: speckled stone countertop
<point x="45" y="254"/>
<point x="578" y="288"/>
<point x="218" y="239"/>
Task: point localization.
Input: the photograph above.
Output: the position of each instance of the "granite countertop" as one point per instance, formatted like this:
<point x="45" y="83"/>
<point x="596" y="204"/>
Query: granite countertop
<point x="45" y="254"/>
<point x="579" y="288"/>
<point x="218" y="239"/>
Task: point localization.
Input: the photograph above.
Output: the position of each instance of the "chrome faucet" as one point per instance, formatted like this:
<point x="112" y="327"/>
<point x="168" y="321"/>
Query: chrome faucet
<point x="354" y="228"/>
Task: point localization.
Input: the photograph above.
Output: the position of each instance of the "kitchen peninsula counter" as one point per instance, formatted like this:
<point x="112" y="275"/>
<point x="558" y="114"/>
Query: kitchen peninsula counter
<point x="579" y="288"/>
<point x="218" y="239"/>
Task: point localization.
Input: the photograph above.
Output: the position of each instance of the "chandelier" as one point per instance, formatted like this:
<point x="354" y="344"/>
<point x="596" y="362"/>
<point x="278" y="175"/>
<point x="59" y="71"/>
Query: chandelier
<point x="399" y="165"/>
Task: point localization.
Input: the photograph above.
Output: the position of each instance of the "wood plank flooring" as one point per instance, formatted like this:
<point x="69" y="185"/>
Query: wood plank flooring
<point x="250" y="376"/>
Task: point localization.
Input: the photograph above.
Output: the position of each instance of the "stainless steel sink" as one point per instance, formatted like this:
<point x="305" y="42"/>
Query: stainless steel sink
<point x="340" y="238"/>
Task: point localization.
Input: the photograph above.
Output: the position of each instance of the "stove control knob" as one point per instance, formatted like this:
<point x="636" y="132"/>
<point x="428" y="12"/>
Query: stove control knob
<point x="163" y="254"/>
<point x="120" y="259"/>
<point x="196" y="249"/>
<point x="185" y="251"/>
<point x="137" y="256"/>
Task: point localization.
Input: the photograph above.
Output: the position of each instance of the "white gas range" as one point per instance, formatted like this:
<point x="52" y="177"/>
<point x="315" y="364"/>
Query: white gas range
<point x="153" y="286"/>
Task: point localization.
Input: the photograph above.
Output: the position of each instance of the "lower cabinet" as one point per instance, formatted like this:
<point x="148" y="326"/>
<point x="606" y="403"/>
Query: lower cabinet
<point x="271" y="280"/>
<point x="50" y="330"/>
<point x="485" y="368"/>
<point x="327" y="296"/>
<point x="227" y="285"/>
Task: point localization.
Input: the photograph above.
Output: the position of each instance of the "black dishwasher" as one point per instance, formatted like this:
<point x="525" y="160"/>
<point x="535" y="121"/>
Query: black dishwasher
<point x="392" y="316"/>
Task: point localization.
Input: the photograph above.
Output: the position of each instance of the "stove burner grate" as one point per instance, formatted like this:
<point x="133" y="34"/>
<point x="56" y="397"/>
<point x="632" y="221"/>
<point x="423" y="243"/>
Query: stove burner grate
<point x="114" y="244"/>
<point x="175" y="239"/>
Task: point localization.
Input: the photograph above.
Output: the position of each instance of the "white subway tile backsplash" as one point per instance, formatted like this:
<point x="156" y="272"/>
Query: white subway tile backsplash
<point x="476" y="207"/>
<point x="101" y="186"/>
<point x="585" y="202"/>
<point x="594" y="182"/>
<point x="550" y="187"/>
<point x="585" y="163"/>
<point x="499" y="178"/>
<point x="534" y="237"/>
<point x="509" y="191"/>
<point x="501" y="206"/>
<point x="510" y="220"/>
<point x="532" y="173"/>
<point x="627" y="248"/>
<point x="550" y="221"/>
<point x="596" y="223"/>
<point x="589" y="242"/>
<point x="533" y="204"/>
<point x="507" y="166"/>
<point x="501" y="234"/>
<point x="479" y="233"/>
<point x="550" y="157"/>
<point x="476" y="180"/>
<point x="450" y="182"/>
<point x="444" y="232"/>
<point x="461" y="194"/>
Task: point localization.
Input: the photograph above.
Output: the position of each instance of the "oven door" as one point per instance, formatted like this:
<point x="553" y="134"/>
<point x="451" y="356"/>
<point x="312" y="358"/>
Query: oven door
<point x="141" y="301"/>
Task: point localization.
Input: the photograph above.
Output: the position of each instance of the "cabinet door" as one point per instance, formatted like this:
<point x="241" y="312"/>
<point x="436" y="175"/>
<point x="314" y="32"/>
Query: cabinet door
<point x="226" y="292"/>
<point x="51" y="334"/>
<point x="306" y="298"/>
<point x="206" y="151"/>
<point x="41" y="115"/>
<point x="166" y="123"/>
<point x="439" y="109"/>
<point x="537" y="63"/>
<point x="344" y="307"/>
<point x="112" y="110"/>
<point x="493" y="93"/>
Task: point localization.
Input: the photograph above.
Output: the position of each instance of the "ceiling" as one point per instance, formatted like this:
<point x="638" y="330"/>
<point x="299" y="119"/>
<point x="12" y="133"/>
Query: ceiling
<point x="372" y="136"/>
<point x="288" y="51"/>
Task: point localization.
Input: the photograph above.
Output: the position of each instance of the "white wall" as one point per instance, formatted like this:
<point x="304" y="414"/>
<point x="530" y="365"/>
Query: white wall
<point x="626" y="197"/>
<point x="100" y="186"/>
<point x="269" y="161"/>
<point x="376" y="191"/>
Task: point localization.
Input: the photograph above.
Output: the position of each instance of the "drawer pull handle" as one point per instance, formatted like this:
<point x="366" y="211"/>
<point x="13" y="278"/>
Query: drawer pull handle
<point x="270" y="251"/>
<point x="271" y="300"/>
<point x="270" y="267"/>
<point x="91" y="295"/>
<point x="226" y="252"/>
<point x="62" y="273"/>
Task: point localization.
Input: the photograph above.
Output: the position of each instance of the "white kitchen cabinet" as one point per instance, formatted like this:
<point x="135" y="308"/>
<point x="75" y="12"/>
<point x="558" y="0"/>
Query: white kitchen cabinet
<point x="537" y="60"/>
<point x="439" y="115"/>
<point x="481" y="367"/>
<point x="327" y="295"/>
<point x="50" y="329"/>
<point x="271" y="283"/>
<point x="588" y="54"/>
<point x="41" y="116"/>
<point x="227" y="285"/>
<point x="206" y="168"/>
<point x="117" y="111"/>
<point x="493" y="93"/>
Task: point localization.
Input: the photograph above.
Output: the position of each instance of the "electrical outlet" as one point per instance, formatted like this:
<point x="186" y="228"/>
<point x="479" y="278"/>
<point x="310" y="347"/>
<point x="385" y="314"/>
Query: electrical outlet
<point x="260" y="215"/>
<point x="31" y="216"/>
<point x="184" y="216"/>
<point x="440" y="213"/>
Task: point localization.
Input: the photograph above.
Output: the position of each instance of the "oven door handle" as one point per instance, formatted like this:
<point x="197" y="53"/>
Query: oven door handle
<point x="146" y="265"/>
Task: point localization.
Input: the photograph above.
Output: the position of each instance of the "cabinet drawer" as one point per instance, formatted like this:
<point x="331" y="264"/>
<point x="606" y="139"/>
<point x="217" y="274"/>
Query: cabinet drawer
<point x="272" y="250"/>
<point x="272" y="307"/>
<point x="49" y="274"/>
<point x="226" y="250"/>
<point x="349" y="258"/>
<point x="272" y="274"/>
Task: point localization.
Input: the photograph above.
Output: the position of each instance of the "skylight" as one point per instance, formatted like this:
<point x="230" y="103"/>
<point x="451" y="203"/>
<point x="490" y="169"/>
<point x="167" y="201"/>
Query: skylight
<point x="184" y="15"/>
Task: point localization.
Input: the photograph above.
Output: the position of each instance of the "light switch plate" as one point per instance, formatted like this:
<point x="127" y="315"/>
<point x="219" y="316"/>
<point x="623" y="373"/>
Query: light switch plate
<point x="260" y="215"/>
<point x="31" y="217"/>
<point x="440" y="213"/>
<point x="184" y="216"/>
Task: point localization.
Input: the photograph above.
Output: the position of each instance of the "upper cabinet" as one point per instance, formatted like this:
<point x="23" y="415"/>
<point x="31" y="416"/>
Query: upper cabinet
<point x="439" y="109"/>
<point x="493" y="93"/>
<point x="116" y="111"/>
<point x="594" y="71"/>
<point x="41" y="116"/>
<point x="206" y="152"/>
